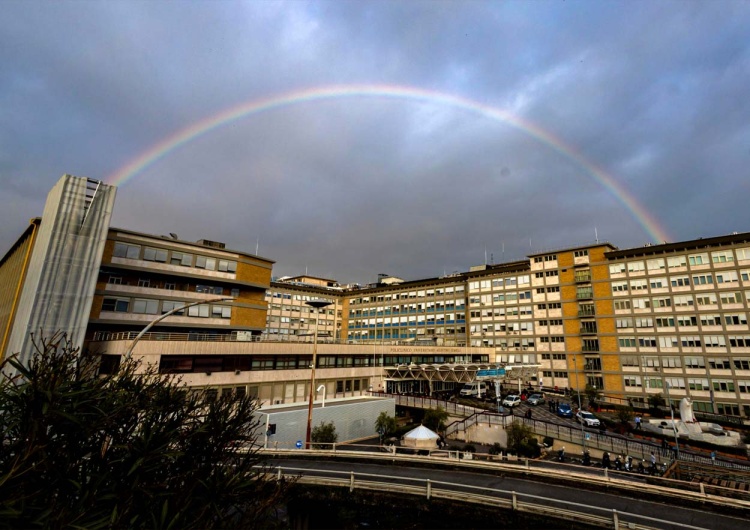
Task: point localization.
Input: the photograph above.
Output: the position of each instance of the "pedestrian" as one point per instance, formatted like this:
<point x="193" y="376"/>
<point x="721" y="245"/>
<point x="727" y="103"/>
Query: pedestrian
<point x="713" y="457"/>
<point x="638" y="422"/>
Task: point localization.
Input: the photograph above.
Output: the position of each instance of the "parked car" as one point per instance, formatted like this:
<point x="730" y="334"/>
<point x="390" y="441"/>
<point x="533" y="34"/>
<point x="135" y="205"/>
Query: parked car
<point x="511" y="401"/>
<point x="564" y="410"/>
<point x="474" y="389"/>
<point x="588" y="419"/>
<point x="535" y="399"/>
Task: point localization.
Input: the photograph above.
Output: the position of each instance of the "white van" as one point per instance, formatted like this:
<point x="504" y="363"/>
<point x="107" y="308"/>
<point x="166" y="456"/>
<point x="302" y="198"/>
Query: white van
<point x="474" y="389"/>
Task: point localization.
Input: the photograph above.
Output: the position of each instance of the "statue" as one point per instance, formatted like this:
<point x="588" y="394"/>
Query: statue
<point x="686" y="410"/>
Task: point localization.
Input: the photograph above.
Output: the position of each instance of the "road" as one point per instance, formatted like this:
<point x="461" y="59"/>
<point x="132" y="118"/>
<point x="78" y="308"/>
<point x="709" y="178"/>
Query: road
<point x="543" y="493"/>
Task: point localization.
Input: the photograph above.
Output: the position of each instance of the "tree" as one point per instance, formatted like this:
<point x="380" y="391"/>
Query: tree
<point x="324" y="434"/>
<point x="385" y="425"/>
<point x="655" y="401"/>
<point x="131" y="449"/>
<point x="522" y="441"/>
<point x="592" y="393"/>
<point x="624" y="413"/>
<point x="435" y="419"/>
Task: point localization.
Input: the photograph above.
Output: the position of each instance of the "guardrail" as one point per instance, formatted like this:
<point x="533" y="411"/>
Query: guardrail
<point x="505" y="499"/>
<point x="598" y="477"/>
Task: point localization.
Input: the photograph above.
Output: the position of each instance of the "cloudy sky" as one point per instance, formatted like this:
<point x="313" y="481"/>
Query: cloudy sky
<point x="409" y="138"/>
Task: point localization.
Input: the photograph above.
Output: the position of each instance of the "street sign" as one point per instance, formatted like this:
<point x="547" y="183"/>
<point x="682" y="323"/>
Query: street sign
<point x="299" y="444"/>
<point x="491" y="373"/>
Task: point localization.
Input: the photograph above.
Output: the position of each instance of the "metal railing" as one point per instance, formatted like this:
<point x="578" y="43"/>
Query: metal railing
<point x="505" y="499"/>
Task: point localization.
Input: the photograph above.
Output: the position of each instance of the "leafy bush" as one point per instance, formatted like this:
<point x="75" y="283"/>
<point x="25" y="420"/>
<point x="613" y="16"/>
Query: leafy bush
<point x="496" y="449"/>
<point x="522" y="440"/>
<point x="469" y="448"/>
<point x="131" y="449"/>
<point x="324" y="435"/>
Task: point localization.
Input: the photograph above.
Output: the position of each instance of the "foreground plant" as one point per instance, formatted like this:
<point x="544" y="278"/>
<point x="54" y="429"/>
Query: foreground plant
<point x="131" y="449"/>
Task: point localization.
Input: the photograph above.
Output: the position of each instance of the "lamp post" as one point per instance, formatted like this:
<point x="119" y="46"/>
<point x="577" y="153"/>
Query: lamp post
<point x="323" y="388"/>
<point x="674" y="427"/>
<point x="129" y="351"/>
<point x="578" y="391"/>
<point x="318" y="304"/>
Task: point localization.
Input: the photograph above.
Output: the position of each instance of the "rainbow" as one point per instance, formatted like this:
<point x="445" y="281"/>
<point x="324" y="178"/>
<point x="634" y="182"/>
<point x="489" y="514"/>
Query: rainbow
<point x="162" y="149"/>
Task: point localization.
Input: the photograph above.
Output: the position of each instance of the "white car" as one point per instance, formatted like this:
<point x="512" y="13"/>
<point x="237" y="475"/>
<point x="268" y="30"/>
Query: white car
<point x="588" y="419"/>
<point x="511" y="401"/>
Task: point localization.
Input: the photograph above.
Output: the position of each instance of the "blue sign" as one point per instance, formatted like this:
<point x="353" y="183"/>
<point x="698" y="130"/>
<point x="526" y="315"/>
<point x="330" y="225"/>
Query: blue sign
<point x="491" y="373"/>
<point x="299" y="444"/>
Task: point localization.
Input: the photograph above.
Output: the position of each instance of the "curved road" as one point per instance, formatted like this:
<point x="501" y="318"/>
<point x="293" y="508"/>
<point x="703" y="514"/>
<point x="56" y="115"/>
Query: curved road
<point x="466" y="481"/>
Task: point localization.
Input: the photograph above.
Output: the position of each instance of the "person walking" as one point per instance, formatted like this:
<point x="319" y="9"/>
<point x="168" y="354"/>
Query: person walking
<point x="638" y="422"/>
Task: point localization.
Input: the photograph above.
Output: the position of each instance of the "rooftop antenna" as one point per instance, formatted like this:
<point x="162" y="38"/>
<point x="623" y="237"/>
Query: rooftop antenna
<point x="503" y="250"/>
<point x="485" y="255"/>
<point x="596" y="234"/>
<point x="257" y="242"/>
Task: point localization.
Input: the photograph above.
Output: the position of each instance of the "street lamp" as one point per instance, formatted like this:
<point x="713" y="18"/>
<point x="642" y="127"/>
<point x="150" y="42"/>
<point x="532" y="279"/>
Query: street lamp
<point x="129" y="351"/>
<point x="318" y="304"/>
<point x="674" y="427"/>
<point x="323" y="388"/>
<point x="578" y="391"/>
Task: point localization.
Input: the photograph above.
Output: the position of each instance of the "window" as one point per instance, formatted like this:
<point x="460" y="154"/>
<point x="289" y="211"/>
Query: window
<point x="581" y="253"/>
<point x="742" y="363"/>
<point x="726" y="277"/>
<point x="743" y="254"/>
<point x="636" y="266"/>
<point x="123" y="250"/>
<point x="235" y="293"/>
<point x="119" y="305"/>
<point x="698" y="259"/>
<point x="144" y="282"/>
<point x="647" y="342"/>
<point x="655" y="264"/>
<point x="680" y="281"/>
<point x="199" y="311"/>
<point x="622" y="304"/>
<point x="722" y="256"/>
<point x="703" y="279"/>
<point x="617" y="268"/>
<point x="227" y="266"/>
<point x="155" y="254"/>
<point x="658" y="283"/>
<point x="644" y="323"/>
<point x="619" y="287"/>
<point x="736" y="320"/>
<point x="145" y="306"/>
<point x="719" y="363"/>
<point x="676" y="261"/>
<point x="627" y="342"/>
<point x="169" y="305"/>
<point x="664" y="301"/>
<point x="710" y="320"/>
<point x="731" y="298"/>
<point x="203" y="262"/>
<point x="665" y="322"/>
<point x="698" y="384"/>
<point x="115" y="280"/>
<point x="632" y="381"/>
<point x="629" y="360"/>
<point x="691" y="341"/>
<point x="668" y="341"/>
<point x="179" y="258"/>
<point x="169" y="286"/>
<point x="683" y="301"/>
<point x="624" y="323"/>
<point x="694" y="362"/>
<point x="705" y="299"/>
<point x="638" y="285"/>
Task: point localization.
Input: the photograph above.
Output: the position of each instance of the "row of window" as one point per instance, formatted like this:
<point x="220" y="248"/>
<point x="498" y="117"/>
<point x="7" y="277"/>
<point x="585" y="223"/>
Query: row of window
<point x="725" y="278"/>
<point x="439" y="291"/>
<point x="160" y="255"/>
<point x="717" y="363"/>
<point x="150" y="306"/>
<point x="686" y="341"/>
<point x="448" y="305"/>
<point x="687" y="300"/>
<point x="702" y="258"/>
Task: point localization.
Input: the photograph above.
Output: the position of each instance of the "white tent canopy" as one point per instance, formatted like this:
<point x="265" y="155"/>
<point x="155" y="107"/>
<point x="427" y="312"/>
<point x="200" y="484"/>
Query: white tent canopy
<point x="421" y="438"/>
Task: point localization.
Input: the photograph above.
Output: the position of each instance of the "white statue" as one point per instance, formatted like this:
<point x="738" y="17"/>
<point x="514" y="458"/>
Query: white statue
<point x="686" y="410"/>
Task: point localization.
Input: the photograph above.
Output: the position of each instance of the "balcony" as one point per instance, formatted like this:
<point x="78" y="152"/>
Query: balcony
<point x="588" y="328"/>
<point x="583" y="277"/>
<point x="584" y="293"/>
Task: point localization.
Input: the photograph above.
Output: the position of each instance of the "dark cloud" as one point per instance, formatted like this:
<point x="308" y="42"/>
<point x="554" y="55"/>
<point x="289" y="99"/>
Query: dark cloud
<point x="653" y="94"/>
